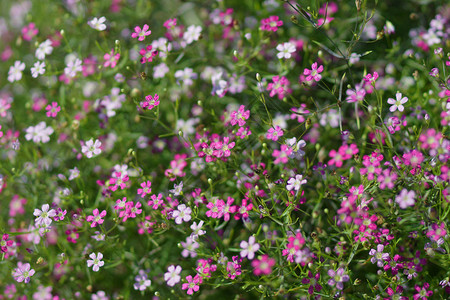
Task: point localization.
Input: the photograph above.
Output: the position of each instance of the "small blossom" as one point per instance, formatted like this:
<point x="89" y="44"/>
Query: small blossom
<point x="97" y="23"/>
<point x="91" y="148"/>
<point x="295" y="183"/>
<point x="38" y="69"/>
<point x="285" y="50"/>
<point x="182" y="213"/>
<point x="405" y="198"/>
<point x="44" y="48"/>
<point x="314" y="73"/>
<point x="249" y="248"/>
<point x="338" y="278"/>
<point x="140" y="34"/>
<point x="111" y="59"/>
<point x="23" y="272"/>
<point x="274" y="133"/>
<point x="142" y="281"/>
<point x="95" y="262"/>
<point x="172" y="276"/>
<point x="263" y="266"/>
<point x="15" y="72"/>
<point x="398" y="103"/>
<point x="44" y="216"/>
<point x="192" y="34"/>
<point x="53" y="109"/>
<point x="271" y="24"/>
<point x="96" y="217"/>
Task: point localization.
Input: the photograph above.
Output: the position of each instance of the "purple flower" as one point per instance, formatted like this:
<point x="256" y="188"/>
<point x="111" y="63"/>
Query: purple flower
<point x="378" y="256"/>
<point x="338" y="278"/>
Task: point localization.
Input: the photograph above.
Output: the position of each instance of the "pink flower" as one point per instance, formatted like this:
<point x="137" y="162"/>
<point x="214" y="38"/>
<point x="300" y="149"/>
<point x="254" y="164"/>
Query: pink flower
<point x="271" y="24"/>
<point x="263" y="266"/>
<point x="437" y="231"/>
<point x="405" y="198"/>
<point x="192" y="284"/>
<point x="147" y="54"/>
<point x="239" y="116"/>
<point x="145" y="189"/>
<point x="314" y="73"/>
<point x="16" y="206"/>
<point x="369" y="78"/>
<point x="413" y="158"/>
<point x="140" y="34"/>
<point x="29" y="31"/>
<point x="356" y="95"/>
<point x="282" y="155"/>
<point x="53" y="109"/>
<point x="96" y="218"/>
<point x="274" y="134"/>
<point x="23" y="272"/>
<point x="111" y="59"/>
<point x="279" y="86"/>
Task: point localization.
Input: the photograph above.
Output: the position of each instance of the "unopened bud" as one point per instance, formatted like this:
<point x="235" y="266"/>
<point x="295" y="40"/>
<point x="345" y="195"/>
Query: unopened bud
<point x="258" y="77"/>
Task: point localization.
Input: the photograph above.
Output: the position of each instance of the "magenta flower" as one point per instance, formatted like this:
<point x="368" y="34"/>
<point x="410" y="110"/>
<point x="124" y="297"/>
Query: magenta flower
<point x="371" y="78"/>
<point x="192" y="284"/>
<point x="312" y="280"/>
<point x="147" y="54"/>
<point x="239" y="116"/>
<point x="279" y="86"/>
<point x="271" y="24"/>
<point x="140" y="34"/>
<point x="314" y="73"/>
<point x="53" y="109"/>
<point x="5" y="243"/>
<point x="422" y="292"/>
<point x="23" y="272"/>
<point x="263" y="266"/>
<point x="151" y="102"/>
<point x="96" y="218"/>
<point x="355" y="95"/>
<point x="145" y="189"/>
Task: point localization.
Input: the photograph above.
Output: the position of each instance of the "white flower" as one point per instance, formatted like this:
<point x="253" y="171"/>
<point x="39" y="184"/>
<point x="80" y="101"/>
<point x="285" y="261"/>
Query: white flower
<point x="192" y="33"/>
<point x="159" y="71"/>
<point x="44" y="216"/>
<point x="197" y="230"/>
<point x="296" y="147"/>
<point x="74" y="173"/>
<point x="286" y="50"/>
<point x="15" y="72"/>
<point x="249" y="248"/>
<point x="177" y="189"/>
<point x="38" y="69"/>
<point x="185" y="76"/>
<point x="73" y="67"/>
<point x="96" y="261"/>
<point x="97" y="23"/>
<point x="295" y="183"/>
<point x="397" y="104"/>
<point x="182" y="213"/>
<point x="173" y="275"/>
<point x="90" y="148"/>
<point x="39" y="133"/>
<point x="44" y="48"/>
